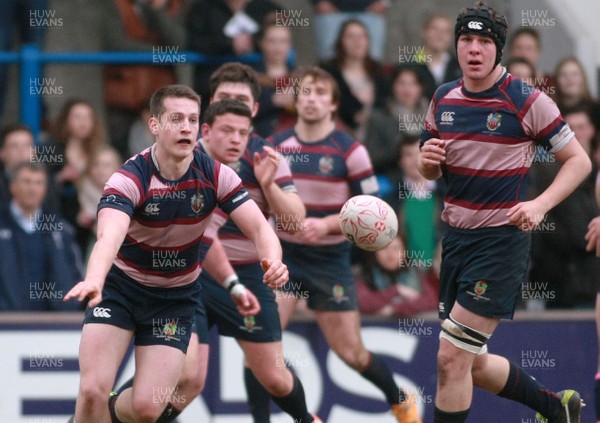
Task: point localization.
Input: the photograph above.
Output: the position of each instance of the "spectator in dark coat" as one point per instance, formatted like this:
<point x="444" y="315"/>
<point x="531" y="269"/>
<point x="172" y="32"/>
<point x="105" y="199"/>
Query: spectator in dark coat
<point x="40" y="258"/>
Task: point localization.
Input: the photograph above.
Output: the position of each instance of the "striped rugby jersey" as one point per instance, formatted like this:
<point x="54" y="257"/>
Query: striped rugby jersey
<point x="326" y="174"/>
<point x="168" y="218"/>
<point x="239" y="249"/>
<point x="491" y="139"/>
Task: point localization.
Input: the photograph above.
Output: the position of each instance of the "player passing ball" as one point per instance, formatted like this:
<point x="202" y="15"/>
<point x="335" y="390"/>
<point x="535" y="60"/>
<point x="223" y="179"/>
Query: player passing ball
<point x="477" y="131"/>
<point x="142" y="275"/>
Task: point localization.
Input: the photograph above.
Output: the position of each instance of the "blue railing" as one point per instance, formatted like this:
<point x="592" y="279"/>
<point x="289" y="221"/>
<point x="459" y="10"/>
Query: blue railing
<point x="31" y="61"/>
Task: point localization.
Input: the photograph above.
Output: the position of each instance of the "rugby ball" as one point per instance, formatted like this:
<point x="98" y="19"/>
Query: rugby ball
<point x="368" y="222"/>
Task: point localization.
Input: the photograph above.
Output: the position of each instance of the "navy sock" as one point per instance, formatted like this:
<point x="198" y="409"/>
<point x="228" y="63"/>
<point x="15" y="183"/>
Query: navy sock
<point x="440" y="416"/>
<point x="258" y="398"/>
<point x="597" y="396"/>
<point x="295" y="403"/>
<point x="126" y="385"/>
<point x="112" y="401"/>
<point x="525" y="389"/>
<point x="169" y="414"/>
<point x="378" y="373"/>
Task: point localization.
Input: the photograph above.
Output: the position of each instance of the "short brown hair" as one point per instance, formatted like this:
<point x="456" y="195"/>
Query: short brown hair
<point x="318" y="74"/>
<point x="525" y="30"/>
<point x="222" y="107"/>
<point x="157" y="105"/>
<point x="235" y="72"/>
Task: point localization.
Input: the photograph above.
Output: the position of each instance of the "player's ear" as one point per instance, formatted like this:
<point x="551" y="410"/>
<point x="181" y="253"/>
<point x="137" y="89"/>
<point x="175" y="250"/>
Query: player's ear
<point x="255" y="108"/>
<point x="205" y="130"/>
<point x="153" y="124"/>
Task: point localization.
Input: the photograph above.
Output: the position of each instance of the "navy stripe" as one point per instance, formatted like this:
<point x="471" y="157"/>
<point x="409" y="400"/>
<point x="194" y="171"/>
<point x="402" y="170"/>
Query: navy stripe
<point x="482" y="190"/>
<point x="43" y="363"/>
<point x="32" y="407"/>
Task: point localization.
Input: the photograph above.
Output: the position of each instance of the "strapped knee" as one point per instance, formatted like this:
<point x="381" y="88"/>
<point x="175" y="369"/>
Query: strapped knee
<point x="464" y="337"/>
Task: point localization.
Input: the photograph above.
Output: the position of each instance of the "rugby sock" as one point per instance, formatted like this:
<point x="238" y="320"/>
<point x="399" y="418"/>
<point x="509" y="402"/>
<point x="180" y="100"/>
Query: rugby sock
<point x="525" y="389"/>
<point x="440" y="416"/>
<point x="169" y="414"/>
<point x="258" y="398"/>
<point x="112" y="401"/>
<point x="126" y="385"/>
<point x="295" y="403"/>
<point x="597" y="396"/>
<point x="378" y="373"/>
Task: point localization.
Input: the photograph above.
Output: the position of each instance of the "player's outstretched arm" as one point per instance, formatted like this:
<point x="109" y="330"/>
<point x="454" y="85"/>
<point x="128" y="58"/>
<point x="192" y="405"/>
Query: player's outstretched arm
<point x="217" y="264"/>
<point x="112" y="229"/>
<point x="576" y="166"/>
<point x="316" y="228"/>
<point x="430" y="158"/>
<point x="284" y="204"/>
<point x="253" y="224"/>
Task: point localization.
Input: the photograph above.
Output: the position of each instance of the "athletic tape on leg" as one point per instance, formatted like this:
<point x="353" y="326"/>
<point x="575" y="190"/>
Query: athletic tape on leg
<point x="464" y="337"/>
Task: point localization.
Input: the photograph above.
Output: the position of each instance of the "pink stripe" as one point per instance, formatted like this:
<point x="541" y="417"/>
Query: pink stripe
<point x="172" y="236"/>
<point x="489" y="156"/>
<point x="462" y="218"/>
<point x="542" y="114"/>
<point x="228" y="182"/>
<point x="323" y="193"/>
<point x="125" y="185"/>
<point x="359" y="162"/>
<point x="430" y="121"/>
<point x="157" y="281"/>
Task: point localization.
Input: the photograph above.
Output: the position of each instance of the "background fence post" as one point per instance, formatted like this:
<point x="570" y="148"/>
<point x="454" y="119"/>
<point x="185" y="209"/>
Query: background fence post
<point x="32" y="87"/>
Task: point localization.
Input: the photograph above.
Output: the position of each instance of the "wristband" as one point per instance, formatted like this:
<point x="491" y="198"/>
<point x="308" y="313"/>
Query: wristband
<point x="230" y="281"/>
<point x="237" y="289"/>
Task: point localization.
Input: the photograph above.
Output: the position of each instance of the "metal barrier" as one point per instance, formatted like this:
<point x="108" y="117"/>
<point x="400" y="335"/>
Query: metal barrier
<point x="31" y="61"/>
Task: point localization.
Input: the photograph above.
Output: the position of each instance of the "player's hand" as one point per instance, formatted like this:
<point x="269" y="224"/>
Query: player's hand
<point x="90" y="289"/>
<point x="246" y="302"/>
<point x="276" y="273"/>
<point x="593" y="236"/>
<point x="433" y="153"/>
<point x="314" y="229"/>
<point x="265" y="168"/>
<point x="527" y="215"/>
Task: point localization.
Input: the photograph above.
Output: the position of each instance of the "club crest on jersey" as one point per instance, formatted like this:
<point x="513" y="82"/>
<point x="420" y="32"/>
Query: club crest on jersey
<point x="197" y="202"/>
<point x="493" y="121"/>
<point x="236" y="166"/>
<point x="325" y="164"/>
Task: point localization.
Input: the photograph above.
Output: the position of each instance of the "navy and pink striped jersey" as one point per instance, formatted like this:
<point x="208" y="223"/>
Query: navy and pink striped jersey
<point x="239" y="249"/>
<point x="326" y="174"/>
<point x="491" y="138"/>
<point x="168" y="218"/>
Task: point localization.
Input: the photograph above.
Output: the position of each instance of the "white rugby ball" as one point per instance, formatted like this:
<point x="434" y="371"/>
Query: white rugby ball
<point x="368" y="222"/>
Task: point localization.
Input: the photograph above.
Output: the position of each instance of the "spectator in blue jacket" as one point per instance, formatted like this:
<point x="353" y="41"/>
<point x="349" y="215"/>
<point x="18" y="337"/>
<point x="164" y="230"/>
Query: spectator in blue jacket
<point x="40" y="258"/>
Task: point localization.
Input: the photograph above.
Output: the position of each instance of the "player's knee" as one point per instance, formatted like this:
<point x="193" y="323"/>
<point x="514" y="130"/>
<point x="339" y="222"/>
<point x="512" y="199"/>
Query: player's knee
<point x="92" y="395"/>
<point x="355" y="357"/>
<point x="192" y="383"/>
<point x="278" y="383"/>
<point x="146" y="410"/>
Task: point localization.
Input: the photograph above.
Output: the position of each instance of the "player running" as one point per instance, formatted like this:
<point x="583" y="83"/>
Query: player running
<point x="329" y="167"/>
<point x="142" y="274"/>
<point x="478" y="133"/>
